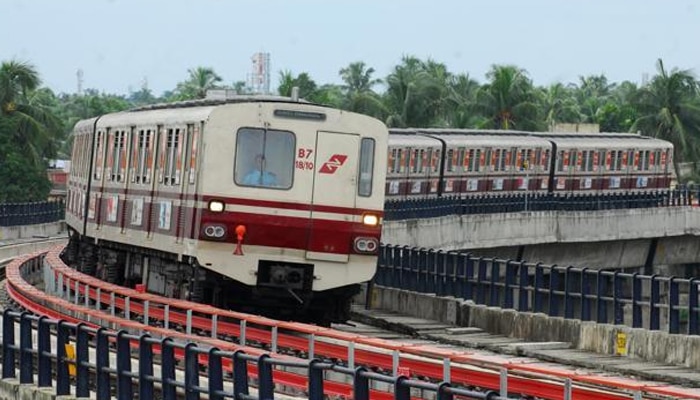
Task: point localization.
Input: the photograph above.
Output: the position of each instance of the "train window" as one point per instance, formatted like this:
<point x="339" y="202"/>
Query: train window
<point x="545" y="163"/>
<point x="436" y="161"/>
<point x="538" y="157"/>
<point x="392" y="163"/>
<point x="619" y="160"/>
<point x="460" y="157"/>
<point x="118" y="156"/>
<point x="560" y="162"/>
<point x="657" y="158"/>
<point x="99" y="149"/>
<point x="574" y="159"/>
<point x="477" y="161"/>
<point x="191" y="152"/>
<point x="589" y="161"/>
<point x="450" y="161"/>
<point x="364" y="189"/>
<point x="646" y="160"/>
<point x="504" y="157"/>
<point x="171" y="146"/>
<point x="264" y="158"/>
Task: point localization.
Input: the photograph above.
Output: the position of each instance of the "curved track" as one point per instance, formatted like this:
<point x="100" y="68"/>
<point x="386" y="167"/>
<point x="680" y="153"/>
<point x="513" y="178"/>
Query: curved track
<point x="74" y="296"/>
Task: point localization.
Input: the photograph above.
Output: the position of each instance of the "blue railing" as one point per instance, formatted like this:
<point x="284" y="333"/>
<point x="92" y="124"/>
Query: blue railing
<point x="116" y="372"/>
<point x="15" y="214"/>
<point x="519" y="202"/>
<point x="604" y="296"/>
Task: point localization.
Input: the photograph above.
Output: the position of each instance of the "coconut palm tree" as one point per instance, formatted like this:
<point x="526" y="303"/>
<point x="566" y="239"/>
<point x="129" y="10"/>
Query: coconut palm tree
<point x="508" y="100"/>
<point x="358" y="95"/>
<point x="559" y="105"/>
<point x="26" y="111"/>
<point x="200" y="80"/>
<point x="669" y="109"/>
<point x="414" y="93"/>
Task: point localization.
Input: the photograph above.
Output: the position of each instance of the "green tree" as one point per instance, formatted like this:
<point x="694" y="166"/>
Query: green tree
<point x="357" y="92"/>
<point x="199" y="81"/>
<point x="559" y="105"/>
<point x="460" y="103"/>
<point x="30" y="121"/>
<point x="508" y="100"/>
<point x="414" y="94"/>
<point x="307" y="86"/>
<point x="669" y="109"/>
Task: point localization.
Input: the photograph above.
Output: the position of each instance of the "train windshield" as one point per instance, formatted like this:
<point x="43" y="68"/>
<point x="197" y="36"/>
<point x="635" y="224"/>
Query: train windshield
<point x="264" y="158"/>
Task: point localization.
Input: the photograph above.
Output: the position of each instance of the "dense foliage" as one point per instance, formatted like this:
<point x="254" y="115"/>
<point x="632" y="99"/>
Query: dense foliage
<point x="35" y="123"/>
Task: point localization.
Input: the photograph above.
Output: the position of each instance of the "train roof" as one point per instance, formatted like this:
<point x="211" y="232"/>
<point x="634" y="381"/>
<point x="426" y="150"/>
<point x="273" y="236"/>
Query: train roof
<point x="231" y="99"/>
<point x="515" y="138"/>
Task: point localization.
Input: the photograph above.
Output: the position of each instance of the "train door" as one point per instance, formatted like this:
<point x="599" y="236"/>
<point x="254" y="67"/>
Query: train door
<point x="333" y="196"/>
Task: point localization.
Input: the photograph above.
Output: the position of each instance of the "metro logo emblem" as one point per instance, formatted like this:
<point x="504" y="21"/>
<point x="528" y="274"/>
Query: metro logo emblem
<point x="336" y="161"/>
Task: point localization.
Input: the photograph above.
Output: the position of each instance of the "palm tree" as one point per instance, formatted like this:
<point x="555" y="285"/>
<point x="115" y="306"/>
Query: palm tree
<point x="358" y="95"/>
<point x="414" y="93"/>
<point x="358" y="78"/>
<point x="509" y="100"/>
<point x="669" y="109"/>
<point x="200" y="80"/>
<point x="307" y="86"/>
<point x="559" y="105"/>
<point x="26" y="111"/>
<point x="592" y="93"/>
<point x="460" y="102"/>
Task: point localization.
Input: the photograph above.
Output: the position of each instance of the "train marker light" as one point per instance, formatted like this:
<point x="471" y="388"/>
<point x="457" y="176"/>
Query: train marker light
<point x="370" y="219"/>
<point x="216" y="206"/>
<point x="240" y="233"/>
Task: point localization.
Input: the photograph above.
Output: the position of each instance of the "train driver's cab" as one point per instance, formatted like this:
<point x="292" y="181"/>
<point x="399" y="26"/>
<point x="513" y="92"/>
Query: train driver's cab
<point x="264" y="158"/>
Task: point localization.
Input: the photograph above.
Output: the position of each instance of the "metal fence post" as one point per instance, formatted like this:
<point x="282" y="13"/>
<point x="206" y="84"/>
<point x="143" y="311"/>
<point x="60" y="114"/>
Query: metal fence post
<point x="215" y="375"/>
<point x="674" y="311"/>
<point x="26" y="360"/>
<point x="693" y="307"/>
<point x="240" y="375"/>
<point x="636" y="301"/>
<point x="44" y="352"/>
<point x="523" y="284"/>
<point x="266" y="387"/>
<point x="315" y="384"/>
<point x="360" y="384"/>
<point x="82" y="358"/>
<point x="102" y="365"/>
<point x="167" y="368"/>
<point x="539" y="284"/>
<point x="62" y="377"/>
<point x="653" y="303"/>
<point x="191" y="372"/>
<point x="124" y="387"/>
<point x="145" y="367"/>
<point x="568" y="298"/>
<point x="553" y="286"/>
<point x="401" y="390"/>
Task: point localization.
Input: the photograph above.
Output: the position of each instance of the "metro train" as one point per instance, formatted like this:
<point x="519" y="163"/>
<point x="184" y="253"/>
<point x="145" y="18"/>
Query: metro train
<point x="438" y="162"/>
<point x="259" y="204"/>
<point x="274" y="205"/>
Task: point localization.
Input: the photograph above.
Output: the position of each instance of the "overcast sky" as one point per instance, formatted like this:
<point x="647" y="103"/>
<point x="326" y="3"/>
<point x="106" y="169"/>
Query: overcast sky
<point x="119" y="44"/>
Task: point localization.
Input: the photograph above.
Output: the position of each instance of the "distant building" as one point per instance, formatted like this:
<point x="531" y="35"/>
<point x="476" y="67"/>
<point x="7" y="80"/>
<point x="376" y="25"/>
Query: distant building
<point x="583" y="128"/>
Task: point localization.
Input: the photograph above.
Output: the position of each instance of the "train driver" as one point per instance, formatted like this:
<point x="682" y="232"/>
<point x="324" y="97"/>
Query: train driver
<point x="258" y="176"/>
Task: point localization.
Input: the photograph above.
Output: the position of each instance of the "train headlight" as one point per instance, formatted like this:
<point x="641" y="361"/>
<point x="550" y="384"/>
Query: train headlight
<point x="211" y="231"/>
<point x="366" y="245"/>
<point x="370" y="219"/>
<point x="216" y="206"/>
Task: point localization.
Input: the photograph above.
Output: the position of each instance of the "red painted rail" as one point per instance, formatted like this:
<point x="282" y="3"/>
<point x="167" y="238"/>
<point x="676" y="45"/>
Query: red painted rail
<point x="525" y="376"/>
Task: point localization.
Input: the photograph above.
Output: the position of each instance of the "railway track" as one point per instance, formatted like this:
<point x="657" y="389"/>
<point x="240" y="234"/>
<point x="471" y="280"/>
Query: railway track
<point x="73" y="296"/>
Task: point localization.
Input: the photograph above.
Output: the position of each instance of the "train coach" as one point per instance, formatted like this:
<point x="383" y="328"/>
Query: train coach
<point x="259" y="204"/>
<point x="425" y="163"/>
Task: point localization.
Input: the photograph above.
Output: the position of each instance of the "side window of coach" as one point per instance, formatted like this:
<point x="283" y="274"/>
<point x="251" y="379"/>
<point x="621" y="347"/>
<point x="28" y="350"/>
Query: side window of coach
<point x="264" y="158"/>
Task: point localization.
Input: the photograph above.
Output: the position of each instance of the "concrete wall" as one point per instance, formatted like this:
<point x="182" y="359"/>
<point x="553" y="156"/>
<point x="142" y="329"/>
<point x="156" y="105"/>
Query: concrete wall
<point x="11" y="389"/>
<point x="8" y="233"/>
<point x="611" y="238"/>
<point x="600" y="338"/>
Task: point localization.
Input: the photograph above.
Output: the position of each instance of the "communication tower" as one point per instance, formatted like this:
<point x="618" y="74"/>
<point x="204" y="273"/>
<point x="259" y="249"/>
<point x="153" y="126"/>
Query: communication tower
<point x="80" y="81"/>
<point x="259" y="78"/>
